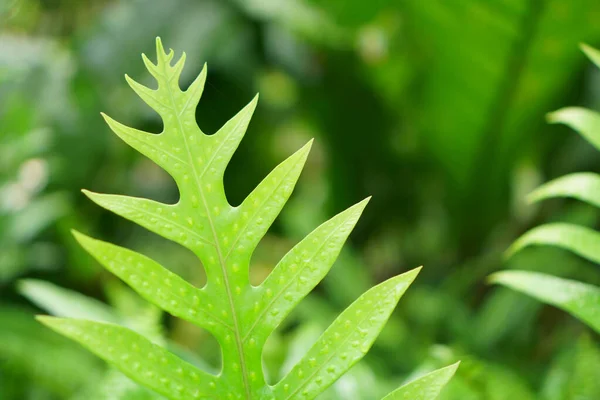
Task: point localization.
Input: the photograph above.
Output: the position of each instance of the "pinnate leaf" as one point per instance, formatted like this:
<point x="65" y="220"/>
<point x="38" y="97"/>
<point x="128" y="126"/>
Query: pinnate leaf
<point x="223" y="237"/>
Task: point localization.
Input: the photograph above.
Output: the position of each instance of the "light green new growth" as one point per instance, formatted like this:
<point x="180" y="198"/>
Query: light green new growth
<point x="239" y="315"/>
<point x="579" y="299"/>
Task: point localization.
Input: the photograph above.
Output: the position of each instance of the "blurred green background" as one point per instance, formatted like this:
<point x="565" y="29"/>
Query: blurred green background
<point x="436" y="108"/>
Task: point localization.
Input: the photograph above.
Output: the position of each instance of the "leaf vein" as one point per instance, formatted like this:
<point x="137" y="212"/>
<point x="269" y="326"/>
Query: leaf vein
<point x="218" y="248"/>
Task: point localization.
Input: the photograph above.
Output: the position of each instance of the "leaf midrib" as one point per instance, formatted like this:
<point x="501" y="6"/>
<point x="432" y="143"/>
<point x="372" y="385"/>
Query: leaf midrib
<point x="217" y="245"/>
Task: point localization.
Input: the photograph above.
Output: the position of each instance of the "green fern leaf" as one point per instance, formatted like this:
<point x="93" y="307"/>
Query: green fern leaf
<point x="579" y="299"/>
<point x="427" y="387"/>
<point x="584" y="186"/>
<point x="586" y="122"/>
<point x="223" y="237"/>
<point x="578" y="239"/>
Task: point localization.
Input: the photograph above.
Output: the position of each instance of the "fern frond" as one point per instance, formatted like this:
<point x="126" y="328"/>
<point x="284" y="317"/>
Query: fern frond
<point x="223" y="237"/>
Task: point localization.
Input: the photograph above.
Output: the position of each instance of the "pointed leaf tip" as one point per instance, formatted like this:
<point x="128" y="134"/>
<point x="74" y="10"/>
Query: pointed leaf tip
<point x="403" y="281"/>
<point x="159" y="46"/>
<point x="84" y="240"/>
<point x="361" y="205"/>
<point x="251" y="106"/>
<point x="76" y="234"/>
<point x="105" y="116"/>
<point x="412" y="274"/>
<point x="87" y="193"/>
<point x="303" y="152"/>
<point x="308" y="145"/>
<point x="152" y="68"/>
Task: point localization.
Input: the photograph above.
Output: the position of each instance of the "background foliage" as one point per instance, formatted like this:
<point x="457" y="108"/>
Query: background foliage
<point x="435" y="108"/>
